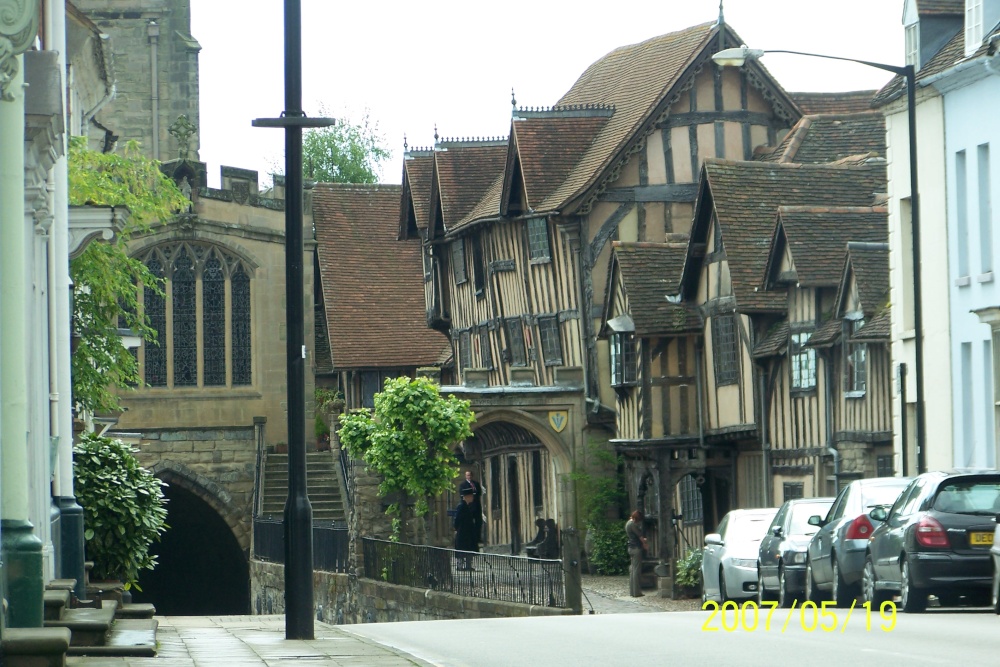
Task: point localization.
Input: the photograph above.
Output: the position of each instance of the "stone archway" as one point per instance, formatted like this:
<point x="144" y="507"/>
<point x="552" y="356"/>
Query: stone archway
<point x="202" y="568"/>
<point x="213" y="493"/>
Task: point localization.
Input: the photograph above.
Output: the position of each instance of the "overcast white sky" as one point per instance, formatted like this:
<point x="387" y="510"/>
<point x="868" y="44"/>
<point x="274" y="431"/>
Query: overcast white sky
<point x="453" y="63"/>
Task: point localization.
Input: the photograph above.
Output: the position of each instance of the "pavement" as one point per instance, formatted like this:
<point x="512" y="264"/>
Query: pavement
<point x="251" y="641"/>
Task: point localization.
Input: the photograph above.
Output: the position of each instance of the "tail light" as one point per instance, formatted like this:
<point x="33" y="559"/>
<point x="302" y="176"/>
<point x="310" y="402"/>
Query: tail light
<point x="930" y="533"/>
<point x="860" y="529"/>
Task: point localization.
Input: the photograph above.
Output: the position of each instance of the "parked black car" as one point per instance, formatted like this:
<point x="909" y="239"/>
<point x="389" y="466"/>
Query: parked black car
<point x="936" y="540"/>
<point x="837" y="551"/>
<point x="781" y="561"/>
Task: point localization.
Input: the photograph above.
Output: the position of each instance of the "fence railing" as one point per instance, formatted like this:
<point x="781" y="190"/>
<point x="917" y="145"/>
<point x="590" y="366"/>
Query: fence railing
<point x="490" y="576"/>
<point x="330" y="544"/>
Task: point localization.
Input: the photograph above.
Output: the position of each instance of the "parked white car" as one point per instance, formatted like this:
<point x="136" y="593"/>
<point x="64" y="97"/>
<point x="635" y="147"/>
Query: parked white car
<point x="729" y="561"/>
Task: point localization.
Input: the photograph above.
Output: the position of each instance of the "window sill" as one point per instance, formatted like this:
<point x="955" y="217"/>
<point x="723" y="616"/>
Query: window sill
<point x="963" y="281"/>
<point x="801" y="392"/>
<point x="985" y="277"/>
<point x="855" y="394"/>
<point x="539" y="260"/>
<point x="204" y="393"/>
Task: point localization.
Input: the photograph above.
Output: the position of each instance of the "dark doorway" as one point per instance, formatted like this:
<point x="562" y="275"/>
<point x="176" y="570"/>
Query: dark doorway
<point x="201" y="569"/>
<point x="716" y="499"/>
<point x="515" y="506"/>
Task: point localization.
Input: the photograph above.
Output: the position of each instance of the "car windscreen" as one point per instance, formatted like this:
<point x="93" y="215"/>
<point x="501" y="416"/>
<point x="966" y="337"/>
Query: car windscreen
<point x="748" y="528"/>
<point x="975" y="496"/>
<point x="874" y="496"/>
<point x="800" y="517"/>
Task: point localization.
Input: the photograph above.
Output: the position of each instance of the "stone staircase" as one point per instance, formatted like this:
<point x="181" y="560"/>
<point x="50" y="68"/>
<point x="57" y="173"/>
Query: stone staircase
<point x="322" y="484"/>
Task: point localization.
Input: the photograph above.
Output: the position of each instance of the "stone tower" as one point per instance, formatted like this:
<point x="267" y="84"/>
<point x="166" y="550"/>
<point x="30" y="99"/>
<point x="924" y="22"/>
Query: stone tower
<point x="156" y="70"/>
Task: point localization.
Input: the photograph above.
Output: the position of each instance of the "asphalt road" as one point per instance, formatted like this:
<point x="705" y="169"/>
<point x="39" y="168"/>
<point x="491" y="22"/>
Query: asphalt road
<point x="938" y="637"/>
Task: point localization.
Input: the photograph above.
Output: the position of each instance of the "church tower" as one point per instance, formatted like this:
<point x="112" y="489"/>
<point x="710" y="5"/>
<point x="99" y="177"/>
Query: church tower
<point x="155" y="61"/>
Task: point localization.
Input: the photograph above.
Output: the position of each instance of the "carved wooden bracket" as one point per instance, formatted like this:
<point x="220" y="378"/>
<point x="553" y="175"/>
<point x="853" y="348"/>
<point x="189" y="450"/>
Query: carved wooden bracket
<point x="18" y="26"/>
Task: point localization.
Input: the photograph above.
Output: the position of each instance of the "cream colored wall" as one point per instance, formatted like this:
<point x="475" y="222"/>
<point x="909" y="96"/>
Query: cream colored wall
<point x="934" y="276"/>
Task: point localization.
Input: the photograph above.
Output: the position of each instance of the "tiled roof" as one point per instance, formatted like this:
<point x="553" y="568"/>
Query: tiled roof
<point x="831" y="137"/>
<point x="372" y="284"/>
<point x="774" y="342"/>
<point x="634" y="79"/>
<point x="880" y="328"/>
<point x="746" y="197"/>
<point x="817" y="238"/>
<point x="836" y="103"/>
<point x="949" y="55"/>
<point x="940" y="7"/>
<point x="417" y="172"/>
<point x="650" y="272"/>
<point x="871" y="273"/>
<point x="549" y="148"/>
<point x="465" y="171"/>
<point x="826" y="334"/>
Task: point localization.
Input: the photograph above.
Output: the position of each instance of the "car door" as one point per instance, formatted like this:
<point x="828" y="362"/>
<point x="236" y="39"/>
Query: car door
<point x="887" y="546"/>
<point x="770" y="549"/>
<point x="819" y="545"/>
<point x="710" y="559"/>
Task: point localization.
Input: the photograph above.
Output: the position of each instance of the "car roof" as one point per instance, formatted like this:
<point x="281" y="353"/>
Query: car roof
<point x="758" y="511"/>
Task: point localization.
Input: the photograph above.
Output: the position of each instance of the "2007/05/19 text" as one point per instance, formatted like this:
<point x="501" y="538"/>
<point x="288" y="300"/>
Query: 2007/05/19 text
<point x="749" y="617"/>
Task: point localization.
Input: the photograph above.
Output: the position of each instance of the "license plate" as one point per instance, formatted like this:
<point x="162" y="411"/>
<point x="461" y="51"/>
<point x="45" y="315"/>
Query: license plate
<point x="980" y="539"/>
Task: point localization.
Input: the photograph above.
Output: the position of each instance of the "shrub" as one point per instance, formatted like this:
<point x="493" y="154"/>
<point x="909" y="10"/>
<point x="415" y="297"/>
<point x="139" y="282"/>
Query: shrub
<point x="689" y="569"/>
<point x="609" y="548"/>
<point x="123" y="507"/>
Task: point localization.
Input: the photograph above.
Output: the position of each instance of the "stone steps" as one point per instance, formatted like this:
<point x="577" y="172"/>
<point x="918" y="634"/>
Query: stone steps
<point x="35" y="647"/>
<point x="322" y="486"/>
<point x="89" y="626"/>
<point x="131" y="637"/>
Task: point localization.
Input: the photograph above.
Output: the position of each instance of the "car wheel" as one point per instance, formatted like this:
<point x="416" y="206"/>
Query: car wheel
<point x="762" y="593"/>
<point x="912" y="599"/>
<point x="842" y="593"/>
<point x="868" y="585"/>
<point x="785" y="597"/>
<point x="813" y="594"/>
<point x="723" y="595"/>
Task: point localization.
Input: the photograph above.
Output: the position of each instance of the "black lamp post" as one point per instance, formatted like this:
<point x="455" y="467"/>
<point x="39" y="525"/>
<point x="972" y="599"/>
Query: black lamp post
<point x="298" y="512"/>
<point x="736" y="57"/>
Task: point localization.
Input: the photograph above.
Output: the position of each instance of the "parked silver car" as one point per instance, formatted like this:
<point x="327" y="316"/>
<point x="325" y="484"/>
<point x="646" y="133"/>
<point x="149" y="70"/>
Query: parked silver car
<point x="836" y="553"/>
<point x="729" y="562"/>
<point x="995" y="555"/>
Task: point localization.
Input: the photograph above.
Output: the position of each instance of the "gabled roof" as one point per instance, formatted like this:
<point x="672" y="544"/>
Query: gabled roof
<point x="650" y="272"/>
<point x="827" y="333"/>
<point x="372" y="284"/>
<point x="829" y="138"/>
<point x="817" y="237"/>
<point x="949" y="7"/>
<point x="414" y="206"/>
<point x="775" y="341"/>
<point x="547" y="145"/>
<point x="880" y="327"/>
<point x="949" y="55"/>
<point x="869" y="264"/>
<point x="745" y="197"/>
<point x="464" y="169"/>
<point x="834" y="103"/>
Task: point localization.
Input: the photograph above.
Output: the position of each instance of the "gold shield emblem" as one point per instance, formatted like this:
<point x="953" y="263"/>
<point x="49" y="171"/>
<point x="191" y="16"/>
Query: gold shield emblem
<point x="558" y="420"/>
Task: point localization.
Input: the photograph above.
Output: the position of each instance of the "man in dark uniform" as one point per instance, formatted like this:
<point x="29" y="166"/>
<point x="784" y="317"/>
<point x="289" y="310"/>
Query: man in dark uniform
<point x="466" y="530"/>
<point x="469" y="484"/>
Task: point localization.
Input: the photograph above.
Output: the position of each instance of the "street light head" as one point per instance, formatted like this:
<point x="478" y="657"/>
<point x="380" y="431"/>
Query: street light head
<point x="736" y="56"/>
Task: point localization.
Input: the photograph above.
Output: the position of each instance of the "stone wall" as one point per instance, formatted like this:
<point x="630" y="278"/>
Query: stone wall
<point x="342" y="598"/>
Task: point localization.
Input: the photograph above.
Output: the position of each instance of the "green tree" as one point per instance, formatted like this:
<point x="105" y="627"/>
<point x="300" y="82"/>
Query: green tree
<point x="408" y="441"/>
<point x="104" y="276"/>
<point x="346" y="152"/>
<point x="601" y="495"/>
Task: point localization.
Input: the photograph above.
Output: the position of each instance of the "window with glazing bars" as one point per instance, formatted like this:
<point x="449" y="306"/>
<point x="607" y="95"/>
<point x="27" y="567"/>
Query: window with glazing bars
<point x="883" y="466"/>
<point x="855" y="360"/>
<point x="725" y="349"/>
<point x="515" y="341"/>
<point x="485" y="349"/>
<point x="548" y="332"/>
<point x="478" y="265"/>
<point x="623" y="359"/>
<point x="465" y="349"/>
<point x="495" y="483"/>
<point x="371" y="384"/>
<point x="538" y="239"/>
<point x="216" y="357"/>
<point x="458" y="261"/>
<point x="803" y="361"/>
<point x="792" y="490"/>
<point x="692" y="509"/>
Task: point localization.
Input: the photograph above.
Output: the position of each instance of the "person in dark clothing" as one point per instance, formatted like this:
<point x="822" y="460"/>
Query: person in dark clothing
<point x="637" y="544"/>
<point x="466" y="531"/>
<point x="549" y="547"/>
<point x="469" y="484"/>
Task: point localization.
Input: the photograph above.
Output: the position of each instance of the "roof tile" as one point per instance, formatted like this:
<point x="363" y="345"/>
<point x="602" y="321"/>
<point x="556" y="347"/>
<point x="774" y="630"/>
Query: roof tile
<point x="650" y="272"/>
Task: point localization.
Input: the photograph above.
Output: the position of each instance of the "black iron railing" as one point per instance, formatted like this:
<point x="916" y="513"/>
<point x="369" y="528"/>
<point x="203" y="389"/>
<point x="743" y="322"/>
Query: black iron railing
<point x="330" y="544"/>
<point x="490" y="576"/>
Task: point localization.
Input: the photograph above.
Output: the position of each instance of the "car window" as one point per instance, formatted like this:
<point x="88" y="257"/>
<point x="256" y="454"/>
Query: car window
<point x="721" y="530"/>
<point x="799" y="523"/>
<point x="884" y="495"/>
<point x="903" y="498"/>
<point x="913" y="498"/>
<point x="748" y="528"/>
<point x="779" y="518"/>
<point x="837" y="509"/>
<point x="968" y="497"/>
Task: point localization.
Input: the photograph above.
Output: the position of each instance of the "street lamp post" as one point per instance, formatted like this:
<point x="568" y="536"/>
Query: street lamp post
<point x="298" y="512"/>
<point x="736" y="57"/>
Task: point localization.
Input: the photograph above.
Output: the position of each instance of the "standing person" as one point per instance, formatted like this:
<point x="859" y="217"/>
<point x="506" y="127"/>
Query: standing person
<point x="636" y="546"/>
<point x="477" y="501"/>
<point x="466" y="530"/>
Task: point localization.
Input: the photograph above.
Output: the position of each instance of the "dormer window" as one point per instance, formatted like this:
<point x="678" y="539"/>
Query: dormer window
<point x="913" y="45"/>
<point x="538" y="240"/>
<point x="973" y="26"/>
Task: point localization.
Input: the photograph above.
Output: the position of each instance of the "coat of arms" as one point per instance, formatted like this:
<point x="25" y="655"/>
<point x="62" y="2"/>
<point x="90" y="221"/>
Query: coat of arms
<point x="558" y="420"/>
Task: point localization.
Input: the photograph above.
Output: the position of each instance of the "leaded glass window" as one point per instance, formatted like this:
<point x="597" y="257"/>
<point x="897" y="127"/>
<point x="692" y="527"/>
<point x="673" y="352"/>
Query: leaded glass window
<point x="803" y="362"/>
<point x="485" y="350"/>
<point x="209" y="342"/>
<point x="792" y="490"/>
<point x="692" y="508"/>
<point x="458" y="261"/>
<point x="548" y="332"/>
<point x="538" y="239"/>
<point x="465" y="349"/>
<point x="515" y="341"/>
<point x="623" y="359"/>
<point x="185" y="311"/>
<point x="855" y="361"/>
<point x="725" y="349"/>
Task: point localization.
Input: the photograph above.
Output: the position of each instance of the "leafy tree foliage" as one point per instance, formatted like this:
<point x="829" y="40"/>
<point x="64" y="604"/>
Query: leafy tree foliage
<point x="123" y="508"/>
<point x="408" y="440"/>
<point x="346" y="152"/>
<point x="105" y="277"/>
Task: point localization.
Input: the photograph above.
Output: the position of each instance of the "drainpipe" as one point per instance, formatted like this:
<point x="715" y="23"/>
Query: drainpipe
<point x="765" y="446"/>
<point x="700" y="399"/>
<point x="830" y="446"/>
<point x="109" y="82"/>
<point x="153" y="31"/>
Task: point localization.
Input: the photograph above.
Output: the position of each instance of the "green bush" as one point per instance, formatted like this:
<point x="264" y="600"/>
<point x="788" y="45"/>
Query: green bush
<point x="123" y="508"/>
<point x="689" y="569"/>
<point x="609" y="548"/>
